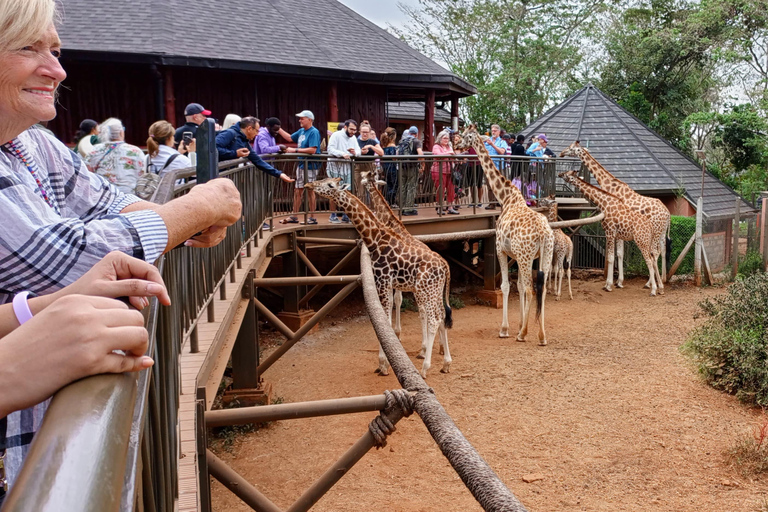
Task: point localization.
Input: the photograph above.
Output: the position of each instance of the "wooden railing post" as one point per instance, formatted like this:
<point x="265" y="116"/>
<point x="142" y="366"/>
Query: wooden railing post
<point x="736" y="222"/>
<point x="699" y="240"/>
<point x="245" y="353"/>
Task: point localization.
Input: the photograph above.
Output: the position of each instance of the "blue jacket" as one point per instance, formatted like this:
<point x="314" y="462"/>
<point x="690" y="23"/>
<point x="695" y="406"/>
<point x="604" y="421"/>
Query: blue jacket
<point x="230" y="140"/>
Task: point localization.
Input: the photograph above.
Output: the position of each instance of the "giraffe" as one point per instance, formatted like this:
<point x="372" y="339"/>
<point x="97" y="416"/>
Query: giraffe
<point x="651" y="207"/>
<point x="386" y="216"/>
<point x="399" y="264"/>
<point x="563" y="252"/>
<point x="623" y="223"/>
<point x="521" y="234"/>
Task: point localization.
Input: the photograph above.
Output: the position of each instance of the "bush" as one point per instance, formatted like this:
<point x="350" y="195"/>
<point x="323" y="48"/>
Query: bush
<point x="730" y="349"/>
<point x="751" y="263"/>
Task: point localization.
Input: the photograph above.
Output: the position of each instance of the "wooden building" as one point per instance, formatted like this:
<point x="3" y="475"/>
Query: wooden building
<point x="145" y="61"/>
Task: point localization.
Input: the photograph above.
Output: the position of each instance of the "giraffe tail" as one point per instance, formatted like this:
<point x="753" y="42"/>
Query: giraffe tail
<point x="539" y="292"/>
<point x="448" y="322"/>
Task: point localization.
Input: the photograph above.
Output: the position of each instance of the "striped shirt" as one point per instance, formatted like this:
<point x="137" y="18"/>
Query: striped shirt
<point x="59" y="219"/>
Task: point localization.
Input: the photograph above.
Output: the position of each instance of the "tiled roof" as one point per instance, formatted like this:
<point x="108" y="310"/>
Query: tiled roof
<point x="632" y="151"/>
<point x="414" y="110"/>
<point x="302" y="34"/>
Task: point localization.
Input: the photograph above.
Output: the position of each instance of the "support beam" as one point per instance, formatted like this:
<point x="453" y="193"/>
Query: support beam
<point x="264" y="413"/>
<point x="329" y="306"/>
<point x="241" y="487"/>
<point x="764" y="233"/>
<point x="341" y="467"/>
<point x="169" y="96"/>
<point x="454" y="111"/>
<point x="333" y="103"/>
<point x="335" y="270"/>
<point x="327" y="241"/>
<point x="245" y="353"/>
<point x="680" y="257"/>
<point x="272" y="318"/>
<point x="429" y="120"/>
<point x="736" y="223"/>
<point x="305" y="260"/>
<point x="294" y="281"/>
<point x="699" y="242"/>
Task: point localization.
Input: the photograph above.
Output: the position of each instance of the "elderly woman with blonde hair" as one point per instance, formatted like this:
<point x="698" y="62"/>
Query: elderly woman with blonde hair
<point x="61" y="220"/>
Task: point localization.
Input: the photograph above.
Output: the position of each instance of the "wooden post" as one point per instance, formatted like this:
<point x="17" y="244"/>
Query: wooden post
<point x="245" y="353"/>
<point x="736" y="220"/>
<point x="699" y="242"/>
<point x="333" y="103"/>
<point x="429" y="120"/>
<point x="764" y="233"/>
<point x="170" y="99"/>
<point x="455" y="111"/>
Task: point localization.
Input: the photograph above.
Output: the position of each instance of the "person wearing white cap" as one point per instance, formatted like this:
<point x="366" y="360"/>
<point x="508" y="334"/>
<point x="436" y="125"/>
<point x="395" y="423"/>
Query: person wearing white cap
<point x="308" y="141"/>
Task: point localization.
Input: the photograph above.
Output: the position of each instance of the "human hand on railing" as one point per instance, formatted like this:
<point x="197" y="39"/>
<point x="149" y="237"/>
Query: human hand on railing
<point x="119" y="275"/>
<point x="222" y="200"/>
<point x="75" y="337"/>
<point x="286" y="178"/>
<point x="282" y="147"/>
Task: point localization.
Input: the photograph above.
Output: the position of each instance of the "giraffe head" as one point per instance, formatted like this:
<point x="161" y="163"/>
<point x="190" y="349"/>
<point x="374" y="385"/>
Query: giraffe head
<point x="329" y="187"/>
<point x="550" y="204"/>
<point x="369" y="178"/>
<point x="574" y="149"/>
<point x="570" y="176"/>
<point x="468" y="138"/>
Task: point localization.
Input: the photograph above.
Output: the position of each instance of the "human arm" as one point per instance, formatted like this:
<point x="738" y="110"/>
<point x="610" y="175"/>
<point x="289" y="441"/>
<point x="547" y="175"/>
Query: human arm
<point x="336" y="149"/>
<point x="264" y="146"/>
<point x="284" y="134"/>
<point x="224" y="145"/>
<point x="264" y="166"/>
<point x="74" y="337"/>
<point x="377" y="149"/>
<point x="116" y="275"/>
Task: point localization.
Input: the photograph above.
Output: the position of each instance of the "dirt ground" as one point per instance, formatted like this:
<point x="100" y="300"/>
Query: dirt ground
<point x="610" y="414"/>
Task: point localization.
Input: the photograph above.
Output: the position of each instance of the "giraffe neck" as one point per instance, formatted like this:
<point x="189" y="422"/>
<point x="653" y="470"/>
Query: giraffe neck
<point x="604" y="178"/>
<point x="381" y="206"/>
<point x="492" y="174"/>
<point x="552" y="213"/>
<point x="361" y="217"/>
<point x="600" y="197"/>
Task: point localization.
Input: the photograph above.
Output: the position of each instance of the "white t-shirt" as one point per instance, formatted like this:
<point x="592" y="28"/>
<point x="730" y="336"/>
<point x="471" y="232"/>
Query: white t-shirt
<point x="163" y="154"/>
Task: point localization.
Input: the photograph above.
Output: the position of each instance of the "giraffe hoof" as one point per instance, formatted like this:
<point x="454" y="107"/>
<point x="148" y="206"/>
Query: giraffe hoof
<point x="653" y="294"/>
<point x="446" y="369"/>
<point x="542" y="343"/>
<point x="521" y="340"/>
<point x="423" y="374"/>
<point x="607" y="288"/>
<point x="503" y="334"/>
<point x="420" y="356"/>
<point x="646" y="285"/>
<point x="619" y="285"/>
<point x="557" y="297"/>
<point x="661" y="292"/>
<point x="383" y="372"/>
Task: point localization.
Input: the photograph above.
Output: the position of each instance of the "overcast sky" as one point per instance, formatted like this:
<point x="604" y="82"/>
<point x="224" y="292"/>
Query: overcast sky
<point x="380" y="12"/>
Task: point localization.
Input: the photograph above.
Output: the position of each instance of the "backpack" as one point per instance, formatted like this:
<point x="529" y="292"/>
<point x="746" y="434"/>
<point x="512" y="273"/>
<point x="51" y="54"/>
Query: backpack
<point x="405" y="147"/>
<point x="148" y="182"/>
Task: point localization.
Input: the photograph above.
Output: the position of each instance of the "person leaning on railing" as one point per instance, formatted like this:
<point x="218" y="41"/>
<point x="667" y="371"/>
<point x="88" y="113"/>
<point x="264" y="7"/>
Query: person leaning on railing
<point x="59" y="219"/>
<point x="49" y="341"/>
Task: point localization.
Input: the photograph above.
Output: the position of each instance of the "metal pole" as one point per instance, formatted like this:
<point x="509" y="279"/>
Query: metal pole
<point x="321" y="240"/>
<point x="239" y="485"/>
<point x="295" y="281"/>
<point x="264" y="413"/>
<point x="340" y="468"/>
<point x="736" y="222"/>
<point x="339" y="266"/>
<point x="697" y="249"/>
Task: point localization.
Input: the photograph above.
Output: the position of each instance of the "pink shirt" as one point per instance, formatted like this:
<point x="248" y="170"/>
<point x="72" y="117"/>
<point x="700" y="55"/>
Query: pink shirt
<point x="442" y="164"/>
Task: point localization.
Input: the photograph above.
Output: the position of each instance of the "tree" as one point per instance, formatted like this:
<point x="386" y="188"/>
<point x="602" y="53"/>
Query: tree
<point x="520" y="54"/>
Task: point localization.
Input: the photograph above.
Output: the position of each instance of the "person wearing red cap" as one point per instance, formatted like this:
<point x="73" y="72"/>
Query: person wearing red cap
<point x="195" y="114"/>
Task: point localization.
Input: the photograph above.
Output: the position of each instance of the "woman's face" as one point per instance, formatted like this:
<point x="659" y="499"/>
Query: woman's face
<point x="29" y="77"/>
<point x="444" y="140"/>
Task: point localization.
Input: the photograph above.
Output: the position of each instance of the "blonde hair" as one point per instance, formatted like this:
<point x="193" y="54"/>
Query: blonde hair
<point x="159" y="132"/>
<point x="23" y="22"/>
<point x="231" y="120"/>
<point x="444" y="133"/>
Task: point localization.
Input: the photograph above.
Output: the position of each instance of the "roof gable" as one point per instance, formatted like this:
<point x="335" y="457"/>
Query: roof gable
<point x="632" y="151"/>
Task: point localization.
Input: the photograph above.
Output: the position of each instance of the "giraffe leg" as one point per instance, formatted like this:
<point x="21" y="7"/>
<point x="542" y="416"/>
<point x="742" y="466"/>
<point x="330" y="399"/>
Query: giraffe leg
<point x="663" y="253"/>
<point x="620" y="257"/>
<point x="443" y="333"/>
<point x="398" y="303"/>
<point x="610" y="245"/>
<point x="569" y="261"/>
<point x="657" y="276"/>
<point x="545" y="254"/>
<point x="652" y="271"/>
<point x="559" y="278"/>
<point x="504" y="332"/>
<point x="526" y="290"/>
<point x="430" y="321"/>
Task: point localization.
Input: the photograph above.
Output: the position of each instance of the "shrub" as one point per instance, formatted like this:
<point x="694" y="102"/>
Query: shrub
<point x="730" y="349"/>
<point x="750" y="453"/>
<point x="751" y="263"/>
